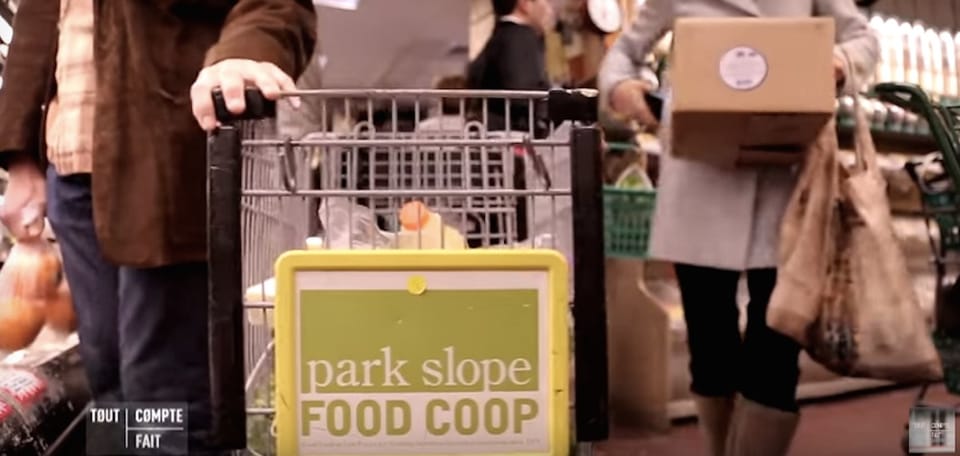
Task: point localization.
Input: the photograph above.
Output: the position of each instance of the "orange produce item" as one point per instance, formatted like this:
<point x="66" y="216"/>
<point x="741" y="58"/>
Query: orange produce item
<point x="414" y="215"/>
<point x="32" y="271"/>
<point x="59" y="311"/>
<point x="29" y="281"/>
<point x="20" y="322"/>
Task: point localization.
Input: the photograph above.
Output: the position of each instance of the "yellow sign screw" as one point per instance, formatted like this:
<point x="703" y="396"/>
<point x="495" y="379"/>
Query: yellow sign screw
<point x="417" y="285"/>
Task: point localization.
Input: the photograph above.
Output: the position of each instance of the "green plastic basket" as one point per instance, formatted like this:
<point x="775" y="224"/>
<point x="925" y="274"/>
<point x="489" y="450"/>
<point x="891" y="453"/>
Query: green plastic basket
<point x="626" y="218"/>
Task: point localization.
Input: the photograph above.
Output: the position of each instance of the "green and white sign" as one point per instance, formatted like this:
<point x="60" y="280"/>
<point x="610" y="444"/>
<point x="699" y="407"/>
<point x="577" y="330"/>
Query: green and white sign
<point x="420" y="361"/>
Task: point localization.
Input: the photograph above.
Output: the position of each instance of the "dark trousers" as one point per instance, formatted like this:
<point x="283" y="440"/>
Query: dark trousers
<point x="143" y="332"/>
<point x="763" y="364"/>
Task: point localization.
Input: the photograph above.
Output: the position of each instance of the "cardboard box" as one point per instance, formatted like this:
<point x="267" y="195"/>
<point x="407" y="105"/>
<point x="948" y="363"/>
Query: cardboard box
<point x="750" y="91"/>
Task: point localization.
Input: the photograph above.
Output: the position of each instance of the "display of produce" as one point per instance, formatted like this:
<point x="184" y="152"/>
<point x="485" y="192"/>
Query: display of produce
<point x="59" y="312"/>
<point x="33" y="292"/>
<point x="20" y="323"/>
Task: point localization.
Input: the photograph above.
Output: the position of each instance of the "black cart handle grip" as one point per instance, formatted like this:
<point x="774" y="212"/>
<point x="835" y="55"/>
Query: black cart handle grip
<point x="257" y="106"/>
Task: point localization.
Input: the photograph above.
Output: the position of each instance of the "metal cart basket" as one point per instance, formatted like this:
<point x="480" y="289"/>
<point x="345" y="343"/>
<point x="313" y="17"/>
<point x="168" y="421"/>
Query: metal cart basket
<point x="345" y="184"/>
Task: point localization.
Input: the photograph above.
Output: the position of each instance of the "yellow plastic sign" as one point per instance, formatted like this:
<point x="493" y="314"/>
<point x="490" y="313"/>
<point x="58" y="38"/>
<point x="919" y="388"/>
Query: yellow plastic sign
<point x="422" y="352"/>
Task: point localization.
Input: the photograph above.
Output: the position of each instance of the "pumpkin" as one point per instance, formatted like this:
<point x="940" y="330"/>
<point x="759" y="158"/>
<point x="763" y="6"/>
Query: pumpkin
<point x="32" y="271"/>
<point x="20" y="322"/>
<point x="59" y="312"/>
<point x="31" y="284"/>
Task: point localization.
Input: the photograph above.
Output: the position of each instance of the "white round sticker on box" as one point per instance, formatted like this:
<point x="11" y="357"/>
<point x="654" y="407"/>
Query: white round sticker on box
<point x="743" y="68"/>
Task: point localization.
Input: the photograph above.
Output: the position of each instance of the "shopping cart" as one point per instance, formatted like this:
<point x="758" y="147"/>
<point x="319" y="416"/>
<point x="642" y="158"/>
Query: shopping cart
<point x="939" y="183"/>
<point x="261" y="204"/>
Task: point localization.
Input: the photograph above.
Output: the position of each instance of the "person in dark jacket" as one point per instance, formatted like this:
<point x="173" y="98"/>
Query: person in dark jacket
<point x="105" y="104"/>
<point x="514" y="59"/>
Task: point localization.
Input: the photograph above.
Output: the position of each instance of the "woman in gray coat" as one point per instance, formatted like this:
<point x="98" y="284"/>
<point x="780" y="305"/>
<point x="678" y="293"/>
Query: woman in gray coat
<point x="715" y="224"/>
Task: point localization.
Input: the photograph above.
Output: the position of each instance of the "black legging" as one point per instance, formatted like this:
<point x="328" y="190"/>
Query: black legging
<point x="763" y="367"/>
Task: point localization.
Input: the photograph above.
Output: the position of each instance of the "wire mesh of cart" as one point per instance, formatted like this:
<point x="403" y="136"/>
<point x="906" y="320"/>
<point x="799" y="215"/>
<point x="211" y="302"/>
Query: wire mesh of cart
<point x="939" y="187"/>
<point x="497" y="166"/>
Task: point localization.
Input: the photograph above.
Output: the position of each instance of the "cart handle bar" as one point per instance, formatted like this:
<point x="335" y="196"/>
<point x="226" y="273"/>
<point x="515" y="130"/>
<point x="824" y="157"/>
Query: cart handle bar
<point x="575" y="105"/>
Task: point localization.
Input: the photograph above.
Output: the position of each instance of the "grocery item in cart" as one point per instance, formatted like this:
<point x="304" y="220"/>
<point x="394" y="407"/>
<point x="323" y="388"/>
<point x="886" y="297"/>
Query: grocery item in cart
<point x="422" y="228"/>
<point x="266" y="291"/>
<point x="348" y="225"/>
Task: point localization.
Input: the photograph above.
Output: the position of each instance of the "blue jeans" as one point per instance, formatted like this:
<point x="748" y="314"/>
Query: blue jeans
<point x="143" y="332"/>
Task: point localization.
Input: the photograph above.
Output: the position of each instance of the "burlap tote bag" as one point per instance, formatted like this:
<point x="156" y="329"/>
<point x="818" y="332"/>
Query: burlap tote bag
<point x="855" y="311"/>
<point x="806" y="239"/>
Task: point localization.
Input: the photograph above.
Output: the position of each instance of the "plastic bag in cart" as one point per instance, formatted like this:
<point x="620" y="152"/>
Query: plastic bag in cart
<point x="348" y="225"/>
<point x="33" y="292"/>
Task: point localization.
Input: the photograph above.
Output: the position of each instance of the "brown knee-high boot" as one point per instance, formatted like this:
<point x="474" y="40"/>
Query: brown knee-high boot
<point x="757" y="430"/>
<point x="713" y="416"/>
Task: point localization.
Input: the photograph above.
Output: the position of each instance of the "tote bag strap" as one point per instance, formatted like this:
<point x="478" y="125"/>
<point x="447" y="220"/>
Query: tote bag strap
<point x="865" y="150"/>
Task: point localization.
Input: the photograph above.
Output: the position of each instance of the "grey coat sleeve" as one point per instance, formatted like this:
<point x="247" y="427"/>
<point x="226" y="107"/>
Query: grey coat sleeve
<point x="857" y="45"/>
<point x="627" y="54"/>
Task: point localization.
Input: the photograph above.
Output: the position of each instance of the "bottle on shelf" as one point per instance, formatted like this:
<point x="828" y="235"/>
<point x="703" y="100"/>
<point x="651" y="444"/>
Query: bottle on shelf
<point x="909" y="64"/>
<point x="884" y="69"/>
<point x="897" y="50"/>
<point x="422" y="228"/>
<point x="956" y="50"/>
<point x="915" y="70"/>
<point x="933" y="59"/>
<point x="949" y="64"/>
<point x="880" y="114"/>
<point x="896" y="119"/>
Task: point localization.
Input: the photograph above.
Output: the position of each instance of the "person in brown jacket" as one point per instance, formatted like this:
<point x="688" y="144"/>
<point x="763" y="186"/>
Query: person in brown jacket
<point x="103" y="113"/>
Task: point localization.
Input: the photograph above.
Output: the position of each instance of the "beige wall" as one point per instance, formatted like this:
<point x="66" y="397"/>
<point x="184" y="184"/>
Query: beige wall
<point x="405" y="43"/>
